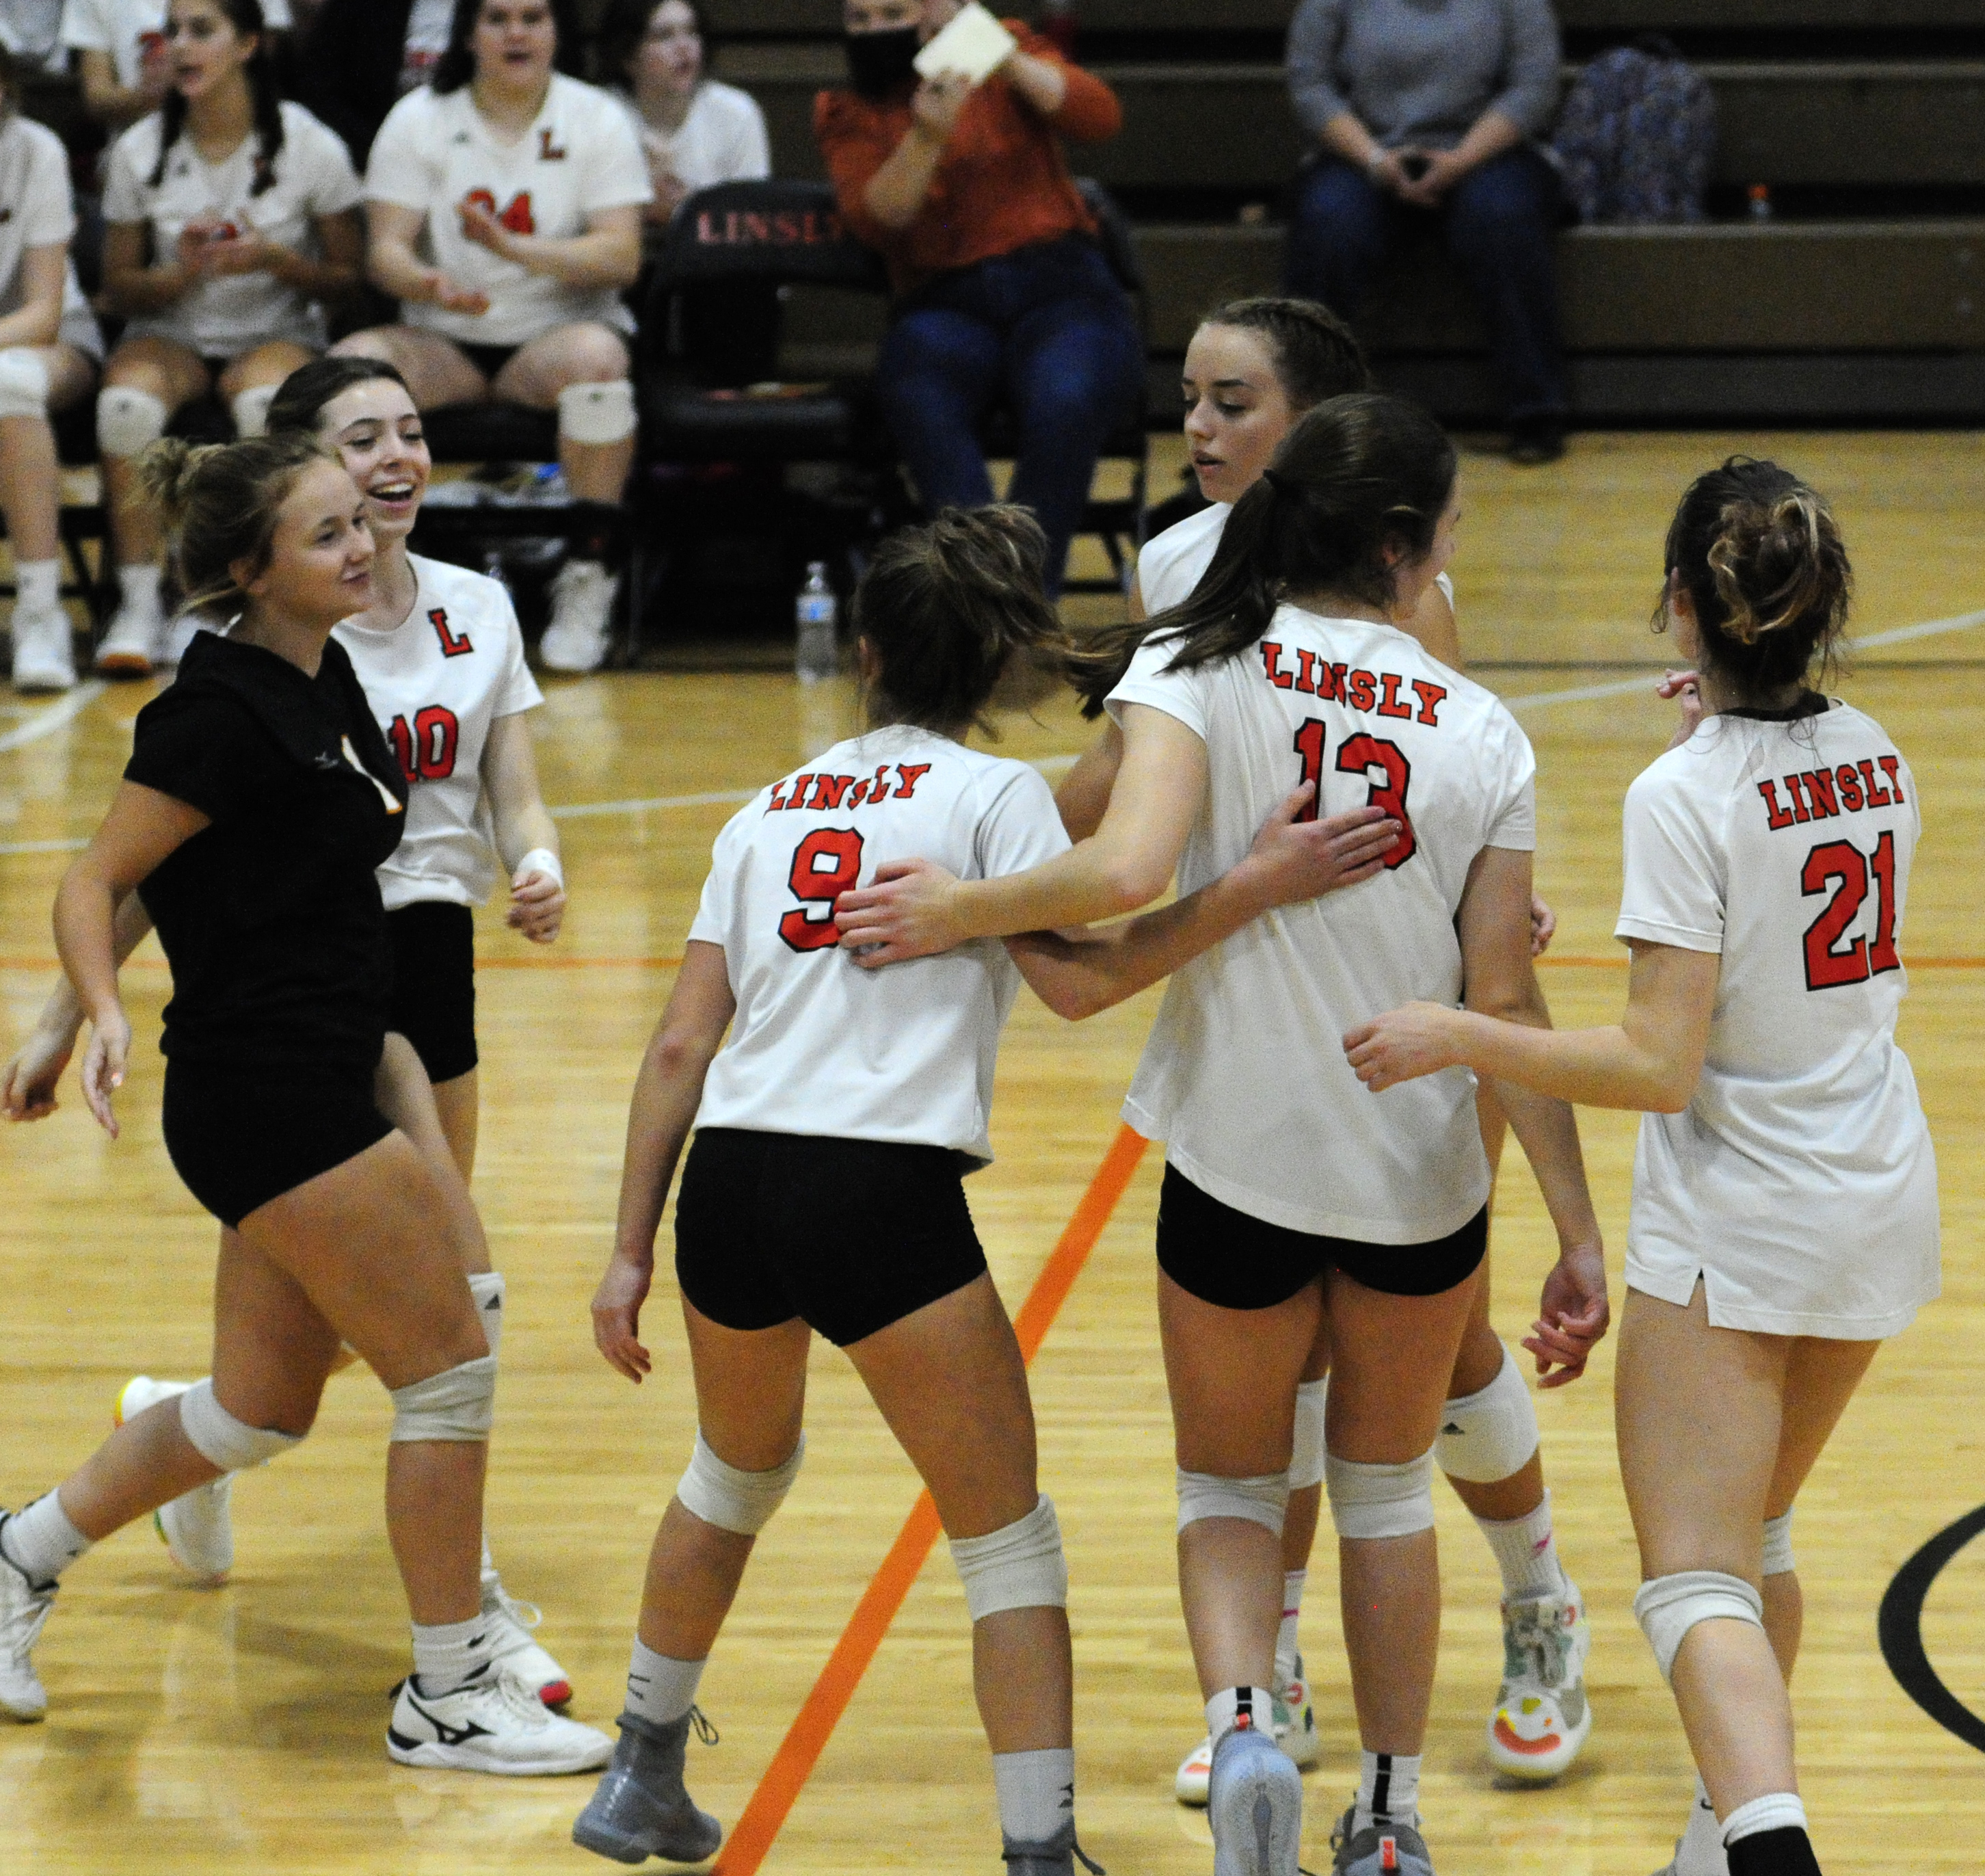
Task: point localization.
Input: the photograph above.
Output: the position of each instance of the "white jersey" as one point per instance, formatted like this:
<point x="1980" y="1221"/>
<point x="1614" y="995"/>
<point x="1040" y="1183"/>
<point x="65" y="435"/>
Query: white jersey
<point x="579" y="156"/>
<point x="1244" y="1076"/>
<point x="32" y="31"/>
<point x="36" y="210"/>
<point x="723" y="140"/>
<point x="126" y="29"/>
<point x="819" y="1045"/>
<point x="1799" y="1184"/>
<point x="437" y="682"/>
<point x="227" y="315"/>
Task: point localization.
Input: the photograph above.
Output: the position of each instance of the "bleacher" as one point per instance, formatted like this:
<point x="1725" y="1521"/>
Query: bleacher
<point x="1861" y="299"/>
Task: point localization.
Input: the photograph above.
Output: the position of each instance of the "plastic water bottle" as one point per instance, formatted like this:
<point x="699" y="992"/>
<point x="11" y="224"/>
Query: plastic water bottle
<point x="816" y="649"/>
<point x="1760" y="195"/>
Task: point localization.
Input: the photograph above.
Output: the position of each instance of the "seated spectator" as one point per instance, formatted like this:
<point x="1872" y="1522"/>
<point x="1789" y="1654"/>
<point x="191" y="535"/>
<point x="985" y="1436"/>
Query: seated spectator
<point x="360" y="57"/>
<point x="126" y="65"/>
<point x="229" y="217"/>
<point x="49" y="350"/>
<point x="1002" y="293"/>
<point x="1429" y="113"/>
<point x="31" y="30"/>
<point x="526" y="188"/>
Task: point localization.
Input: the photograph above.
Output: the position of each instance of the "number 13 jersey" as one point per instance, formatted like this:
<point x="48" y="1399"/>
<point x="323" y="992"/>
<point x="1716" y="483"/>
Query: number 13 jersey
<point x="1799" y="1183"/>
<point x="819" y="1045"/>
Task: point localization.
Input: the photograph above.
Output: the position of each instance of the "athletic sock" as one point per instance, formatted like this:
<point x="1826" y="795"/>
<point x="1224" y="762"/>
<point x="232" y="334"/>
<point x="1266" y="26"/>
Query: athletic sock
<point x="1287" y="1649"/>
<point x="447" y="1656"/>
<point x="1233" y="1706"/>
<point x="660" y="1688"/>
<point x="139" y="582"/>
<point x="40" y="1542"/>
<point x="1036" y="1792"/>
<point x="1389" y="1790"/>
<point x="1768" y="1837"/>
<point x="37" y="586"/>
<point x="1527" y="1553"/>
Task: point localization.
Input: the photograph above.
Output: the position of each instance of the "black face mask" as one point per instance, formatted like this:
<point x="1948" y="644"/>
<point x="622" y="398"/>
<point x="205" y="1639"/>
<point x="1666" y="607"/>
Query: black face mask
<point x="878" y="63"/>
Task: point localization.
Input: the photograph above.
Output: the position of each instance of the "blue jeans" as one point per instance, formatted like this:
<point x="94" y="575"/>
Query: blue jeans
<point x="1046" y="331"/>
<point x="1497" y="222"/>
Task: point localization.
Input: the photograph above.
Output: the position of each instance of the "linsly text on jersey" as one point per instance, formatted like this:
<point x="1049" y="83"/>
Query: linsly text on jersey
<point x="1820" y="794"/>
<point x="1375" y="693"/>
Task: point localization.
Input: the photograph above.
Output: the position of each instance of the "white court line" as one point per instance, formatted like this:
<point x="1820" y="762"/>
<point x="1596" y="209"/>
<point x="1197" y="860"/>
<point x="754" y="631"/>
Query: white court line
<point x="48" y="721"/>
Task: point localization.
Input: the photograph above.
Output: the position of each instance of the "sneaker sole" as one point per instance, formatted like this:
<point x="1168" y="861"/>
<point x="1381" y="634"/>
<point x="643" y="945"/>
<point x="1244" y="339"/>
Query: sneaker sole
<point x="1253" y="1835"/>
<point x="124" y="664"/>
<point x="1520" y="1760"/>
<point x="434" y="1755"/>
<point x="617" y="1846"/>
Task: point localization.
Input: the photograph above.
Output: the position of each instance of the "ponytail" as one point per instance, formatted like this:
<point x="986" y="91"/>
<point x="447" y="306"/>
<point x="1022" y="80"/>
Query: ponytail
<point x="259" y="74"/>
<point x="221" y="502"/>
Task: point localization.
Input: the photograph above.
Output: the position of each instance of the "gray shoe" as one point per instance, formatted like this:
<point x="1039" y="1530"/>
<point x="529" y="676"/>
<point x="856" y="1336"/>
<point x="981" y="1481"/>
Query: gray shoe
<point x="1254" y="1805"/>
<point x="1382" y="1849"/>
<point x="24" y="1607"/>
<point x="1057" y="1857"/>
<point x="641" y="1809"/>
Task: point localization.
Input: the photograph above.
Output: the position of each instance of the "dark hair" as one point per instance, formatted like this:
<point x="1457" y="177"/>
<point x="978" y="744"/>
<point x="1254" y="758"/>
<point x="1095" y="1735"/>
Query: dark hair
<point x="456" y="65"/>
<point x="1316" y="355"/>
<point x="219" y="502"/>
<point x="1762" y="560"/>
<point x="1358" y="478"/>
<point x="245" y="16"/>
<point x="626" y="25"/>
<point x="297" y="407"/>
<point x="947" y="608"/>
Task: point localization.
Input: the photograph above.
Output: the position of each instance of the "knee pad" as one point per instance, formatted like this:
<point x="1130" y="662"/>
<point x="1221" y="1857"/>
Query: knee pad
<point x="1380" y="1500"/>
<point x="457" y="1404"/>
<point x="1263" y="1500"/>
<point x="24" y="383"/>
<point x="251" y="410"/>
<point x="1306" y="1456"/>
<point x="732" y="1500"/>
<point x="1487" y="1436"/>
<point x="128" y="420"/>
<point x="223" y="1441"/>
<point x="1020" y="1566"/>
<point x="1668" y="1607"/>
<point x="487" y="1288"/>
<point x="596" y="413"/>
<point x="1779" y="1545"/>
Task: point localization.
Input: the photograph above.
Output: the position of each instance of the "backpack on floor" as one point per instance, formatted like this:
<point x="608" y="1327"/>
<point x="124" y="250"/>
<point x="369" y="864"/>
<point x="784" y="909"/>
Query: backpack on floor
<point x="1637" y="135"/>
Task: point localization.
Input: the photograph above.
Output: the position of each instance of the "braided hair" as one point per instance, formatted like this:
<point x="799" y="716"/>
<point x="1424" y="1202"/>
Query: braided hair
<point x="245" y="16"/>
<point x="1316" y="355"/>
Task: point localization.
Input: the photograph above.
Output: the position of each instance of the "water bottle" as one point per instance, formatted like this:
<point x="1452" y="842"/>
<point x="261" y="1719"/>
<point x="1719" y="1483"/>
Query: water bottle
<point x="1760" y="195"/>
<point x="816" y="650"/>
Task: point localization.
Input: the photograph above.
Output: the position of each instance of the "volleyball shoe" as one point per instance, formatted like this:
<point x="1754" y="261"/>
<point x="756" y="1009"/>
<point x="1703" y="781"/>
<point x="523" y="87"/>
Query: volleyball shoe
<point x="197" y="1527"/>
<point x="512" y="1646"/>
<point x="643" y="1809"/>
<point x="493" y="1722"/>
<point x="1378" y="1850"/>
<point x="24" y="1608"/>
<point x="1295" y="1732"/>
<point x="1254" y="1805"/>
<point x="1542" y="1719"/>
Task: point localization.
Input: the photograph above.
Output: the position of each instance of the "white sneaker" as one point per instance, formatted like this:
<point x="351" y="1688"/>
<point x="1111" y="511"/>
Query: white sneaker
<point x="1542" y="1719"/>
<point x="1699" y="1850"/>
<point x="23" y="1609"/>
<point x="43" y="657"/>
<point x="1295" y="1732"/>
<point x="495" y="1724"/>
<point x="582" y="598"/>
<point x="196" y="1526"/>
<point x="511" y="1621"/>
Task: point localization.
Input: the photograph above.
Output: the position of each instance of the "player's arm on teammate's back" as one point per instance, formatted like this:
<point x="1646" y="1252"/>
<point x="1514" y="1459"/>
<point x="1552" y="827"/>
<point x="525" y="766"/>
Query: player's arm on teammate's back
<point x="667" y="1094"/>
<point x="526" y="835"/>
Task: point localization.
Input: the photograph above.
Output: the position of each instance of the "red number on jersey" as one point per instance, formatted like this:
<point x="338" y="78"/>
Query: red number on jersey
<point x="818" y="884"/>
<point x="1360" y="755"/>
<point x="1309" y="746"/>
<point x="427" y="751"/>
<point x="516" y="216"/>
<point x="1826" y="964"/>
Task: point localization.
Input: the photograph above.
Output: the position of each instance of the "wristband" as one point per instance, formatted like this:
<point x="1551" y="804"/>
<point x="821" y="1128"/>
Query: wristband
<point x="542" y="860"/>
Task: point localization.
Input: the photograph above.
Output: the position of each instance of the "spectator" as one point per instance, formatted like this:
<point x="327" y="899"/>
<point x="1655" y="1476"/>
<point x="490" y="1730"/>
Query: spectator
<point x="49" y="350"/>
<point x="1430" y="111"/>
<point x="126" y="66"/>
<point x="31" y="30"/>
<point x="363" y="56"/>
<point x="1002" y="291"/>
<point x="229" y="217"/>
<point x="526" y="188"/>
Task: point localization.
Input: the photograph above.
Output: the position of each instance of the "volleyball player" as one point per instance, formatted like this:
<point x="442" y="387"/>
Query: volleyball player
<point x="229" y="215"/>
<point x="1282" y="1194"/>
<point x="1784" y="1210"/>
<point x="259" y="798"/>
<point x="505" y="203"/>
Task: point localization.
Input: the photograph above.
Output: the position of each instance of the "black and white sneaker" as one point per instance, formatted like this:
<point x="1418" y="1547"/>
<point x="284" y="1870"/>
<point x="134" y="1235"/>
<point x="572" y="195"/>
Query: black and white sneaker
<point x="24" y="1608"/>
<point x="495" y="1724"/>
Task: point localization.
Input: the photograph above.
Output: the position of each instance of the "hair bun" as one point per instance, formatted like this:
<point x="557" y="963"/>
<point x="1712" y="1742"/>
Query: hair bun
<point x="1775" y="561"/>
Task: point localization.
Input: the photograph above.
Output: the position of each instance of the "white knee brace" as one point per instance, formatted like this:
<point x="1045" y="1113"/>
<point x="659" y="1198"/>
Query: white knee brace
<point x="487" y="1288"/>
<point x="732" y="1500"/>
<point x="596" y="413"/>
<point x="1380" y="1500"/>
<point x="1668" y="1607"/>
<point x="1019" y="1566"/>
<point x="1487" y="1435"/>
<point x="1779" y="1545"/>
<point x="1263" y="1501"/>
<point x="457" y="1404"/>
<point x="24" y="383"/>
<point x="128" y="420"/>
<point x="1306" y="1456"/>
<point x="222" y="1440"/>
<point x="251" y="410"/>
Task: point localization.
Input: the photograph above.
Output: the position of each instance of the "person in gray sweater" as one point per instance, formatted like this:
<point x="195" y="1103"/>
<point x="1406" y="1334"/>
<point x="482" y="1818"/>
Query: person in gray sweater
<point x="1432" y="109"/>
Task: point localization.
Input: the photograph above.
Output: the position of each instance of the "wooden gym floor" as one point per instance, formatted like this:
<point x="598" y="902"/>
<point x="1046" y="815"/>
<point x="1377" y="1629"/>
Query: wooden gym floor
<point x="239" y="1730"/>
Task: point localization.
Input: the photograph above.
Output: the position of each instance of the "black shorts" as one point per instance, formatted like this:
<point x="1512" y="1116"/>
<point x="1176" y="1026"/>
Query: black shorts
<point x="488" y="359"/>
<point x="1225" y="1257"/>
<point x="850" y="1235"/>
<point x="241" y="1136"/>
<point x="433" y="943"/>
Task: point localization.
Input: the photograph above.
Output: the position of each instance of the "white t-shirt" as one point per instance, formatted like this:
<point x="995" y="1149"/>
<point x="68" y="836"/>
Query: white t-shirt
<point x="32" y="31"/>
<point x="436" y="683"/>
<point x="1244" y="1076"/>
<point x="723" y="138"/>
<point x="579" y="156"/>
<point x="36" y="211"/>
<point x="819" y="1045"/>
<point x="1799" y="1183"/>
<point x="223" y="316"/>
<point x="121" y="28"/>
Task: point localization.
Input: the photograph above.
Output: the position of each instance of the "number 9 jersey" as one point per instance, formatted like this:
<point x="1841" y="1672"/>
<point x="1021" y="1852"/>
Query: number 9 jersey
<point x="819" y="1045"/>
<point x="1799" y="1183"/>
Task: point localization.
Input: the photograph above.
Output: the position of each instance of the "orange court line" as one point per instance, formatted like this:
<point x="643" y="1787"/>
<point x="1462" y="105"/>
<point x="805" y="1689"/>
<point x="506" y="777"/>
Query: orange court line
<point x="806" y="1739"/>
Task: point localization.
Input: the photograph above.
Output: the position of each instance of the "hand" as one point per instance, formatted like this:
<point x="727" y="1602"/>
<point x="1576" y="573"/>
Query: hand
<point x="935" y="109"/>
<point x="1292" y="860"/>
<point x="246" y="252"/>
<point x="616" y="1316"/>
<point x="1543" y="927"/>
<point x="480" y="225"/>
<point x="1444" y="169"/>
<point x="1384" y="173"/>
<point x="1403" y="1044"/>
<point x="28" y="1083"/>
<point x="906" y="911"/>
<point x="197" y="241"/>
<point x="437" y="290"/>
<point x="103" y="1064"/>
<point x="537" y="906"/>
<point x="155" y="68"/>
<point x="1687" y="686"/>
<point x="1573" y="1315"/>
